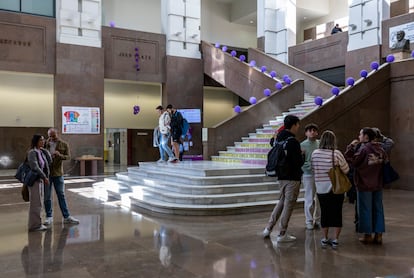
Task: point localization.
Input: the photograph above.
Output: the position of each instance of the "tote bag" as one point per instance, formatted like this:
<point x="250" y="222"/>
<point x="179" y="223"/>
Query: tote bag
<point x="340" y="181"/>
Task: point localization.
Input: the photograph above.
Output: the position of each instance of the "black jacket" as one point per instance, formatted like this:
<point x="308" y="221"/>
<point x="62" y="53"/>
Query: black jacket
<point x="294" y="157"/>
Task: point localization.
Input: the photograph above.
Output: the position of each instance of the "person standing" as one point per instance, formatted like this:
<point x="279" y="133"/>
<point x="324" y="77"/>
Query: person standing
<point x="311" y="206"/>
<point x="176" y="131"/>
<point x="331" y="204"/>
<point x="38" y="159"/>
<point x="59" y="150"/>
<point x="368" y="157"/>
<point x="289" y="180"/>
<point x="164" y="122"/>
<point x="336" y="29"/>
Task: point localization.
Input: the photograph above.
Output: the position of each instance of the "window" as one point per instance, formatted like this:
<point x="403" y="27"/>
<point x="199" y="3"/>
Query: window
<point x="36" y="7"/>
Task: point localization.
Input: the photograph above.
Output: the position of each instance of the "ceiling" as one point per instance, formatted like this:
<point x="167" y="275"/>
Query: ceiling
<point x="250" y="17"/>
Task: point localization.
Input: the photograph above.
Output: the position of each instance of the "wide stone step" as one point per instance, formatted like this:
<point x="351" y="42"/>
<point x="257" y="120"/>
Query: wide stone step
<point x="248" y="161"/>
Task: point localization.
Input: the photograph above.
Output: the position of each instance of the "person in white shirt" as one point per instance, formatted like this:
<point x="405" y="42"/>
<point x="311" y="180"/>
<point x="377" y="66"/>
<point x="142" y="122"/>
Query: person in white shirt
<point x="165" y="131"/>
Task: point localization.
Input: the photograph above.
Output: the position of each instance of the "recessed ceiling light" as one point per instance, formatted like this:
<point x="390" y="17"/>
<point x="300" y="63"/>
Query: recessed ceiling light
<point x="304" y="17"/>
<point x="251" y="21"/>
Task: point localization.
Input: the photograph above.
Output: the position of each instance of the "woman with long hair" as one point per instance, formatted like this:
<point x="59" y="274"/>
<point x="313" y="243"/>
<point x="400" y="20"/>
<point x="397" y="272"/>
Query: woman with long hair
<point x="323" y="160"/>
<point x="39" y="160"/>
<point x="368" y="157"/>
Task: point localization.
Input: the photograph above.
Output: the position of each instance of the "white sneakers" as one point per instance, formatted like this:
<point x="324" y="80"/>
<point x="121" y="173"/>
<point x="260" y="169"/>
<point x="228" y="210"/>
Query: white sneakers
<point x="48" y="221"/>
<point x="266" y="233"/>
<point x="41" y="228"/>
<point x="309" y="226"/>
<point x="70" y="220"/>
<point x="285" y="238"/>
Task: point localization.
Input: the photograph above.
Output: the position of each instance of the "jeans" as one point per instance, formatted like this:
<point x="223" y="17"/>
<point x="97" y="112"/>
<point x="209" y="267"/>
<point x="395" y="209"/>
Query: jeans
<point x="289" y="191"/>
<point x="164" y="145"/>
<point x="162" y="153"/>
<point x="311" y="206"/>
<point x="370" y="212"/>
<point x="59" y="185"/>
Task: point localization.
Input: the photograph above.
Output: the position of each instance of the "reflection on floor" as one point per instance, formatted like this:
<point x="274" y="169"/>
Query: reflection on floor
<point x="112" y="241"/>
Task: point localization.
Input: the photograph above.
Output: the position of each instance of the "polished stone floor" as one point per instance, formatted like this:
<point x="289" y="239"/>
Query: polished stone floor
<point x="112" y="241"/>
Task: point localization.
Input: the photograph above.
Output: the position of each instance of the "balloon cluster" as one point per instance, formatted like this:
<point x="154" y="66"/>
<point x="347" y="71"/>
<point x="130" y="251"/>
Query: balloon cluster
<point x="136" y="59"/>
<point x="136" y="109"/>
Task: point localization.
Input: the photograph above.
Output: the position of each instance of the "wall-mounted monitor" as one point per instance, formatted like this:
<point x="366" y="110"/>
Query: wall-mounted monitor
<point x="191" y="115"/>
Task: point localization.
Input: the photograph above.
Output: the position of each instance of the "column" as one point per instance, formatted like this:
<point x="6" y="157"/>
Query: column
<point x="276" y="27"/>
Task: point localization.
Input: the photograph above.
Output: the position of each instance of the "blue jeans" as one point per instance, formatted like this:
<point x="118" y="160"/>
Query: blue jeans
<point x="59" y="185"/>
<point x="162" y="153"/>
<point x="164" y="145"/>
<point x="370" y="212"/>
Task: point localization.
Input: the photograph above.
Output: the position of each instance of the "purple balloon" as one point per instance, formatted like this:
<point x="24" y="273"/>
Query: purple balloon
<point x="233" y="53"/>
<point x="318" y="101"/>
<point x="273" y="74"/>
<point x="364" y="73"/>
<point x="252" y="63"/>
<point x="279" y="86"/>
<point x="237" y="109"/>
<point x="374" y="65"/>
<point x="252" y="100"/>
<point x="136" y="109"/>
<point x="390" y="58"/>
<point x="285" y="77"/>
<point x="267" y="92"/>
<point x="242" y="58"/>
<point x="288" y="81"/>
<point x="224" y="48"/>
<point x="335" y="91"/>
<point x="350" y="81"/>
<point x="217" y="45"/>
<point x="263" y="68"/>
<point x="412" y="54"/>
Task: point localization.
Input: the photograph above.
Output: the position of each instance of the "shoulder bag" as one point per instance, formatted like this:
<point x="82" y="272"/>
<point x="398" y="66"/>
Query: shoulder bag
<point x="340" y="182"/>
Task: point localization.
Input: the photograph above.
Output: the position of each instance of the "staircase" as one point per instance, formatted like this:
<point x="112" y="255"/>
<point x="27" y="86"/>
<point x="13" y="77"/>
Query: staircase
<point x="254" y="148"/>
<point x="192" y="188"/>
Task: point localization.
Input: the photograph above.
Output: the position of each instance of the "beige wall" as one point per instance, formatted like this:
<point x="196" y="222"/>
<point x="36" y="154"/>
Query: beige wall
<point x="121" y="96"/>
<point x="26" y="100"/>
<point x="218" y="105"/>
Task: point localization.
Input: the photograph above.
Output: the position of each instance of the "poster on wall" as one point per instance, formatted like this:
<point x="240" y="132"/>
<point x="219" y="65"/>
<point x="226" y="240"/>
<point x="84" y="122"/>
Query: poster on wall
<point x="408" y="28"/>
<point x="80" y="120"/>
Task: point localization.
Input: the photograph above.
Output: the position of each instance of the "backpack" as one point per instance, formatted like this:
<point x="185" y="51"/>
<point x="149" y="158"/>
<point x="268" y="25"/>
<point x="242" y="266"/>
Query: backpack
<point x="185" y="126"/>
<point x="276" y="159"/>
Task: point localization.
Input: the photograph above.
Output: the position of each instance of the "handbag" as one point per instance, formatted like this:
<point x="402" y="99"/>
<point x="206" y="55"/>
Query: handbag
<point x="25" y="174"/>
<point x="25" y="193"/>
<point x="30" y="178"/>
<point x="339" y="180"/>
<point x="389" y="174"/>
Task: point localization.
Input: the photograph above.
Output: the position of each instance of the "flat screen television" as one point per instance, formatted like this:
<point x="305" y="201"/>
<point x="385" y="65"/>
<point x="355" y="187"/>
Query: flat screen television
<point x="191" y="115"/>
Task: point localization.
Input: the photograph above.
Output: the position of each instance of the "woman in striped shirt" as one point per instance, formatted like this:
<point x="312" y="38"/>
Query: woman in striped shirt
<point x="331" y="204"/>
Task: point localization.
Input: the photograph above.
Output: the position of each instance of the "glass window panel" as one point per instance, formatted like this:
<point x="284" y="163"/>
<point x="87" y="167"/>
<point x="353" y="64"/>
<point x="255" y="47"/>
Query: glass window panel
<point x="11" y="5"/>
<point x="44" y="7"/>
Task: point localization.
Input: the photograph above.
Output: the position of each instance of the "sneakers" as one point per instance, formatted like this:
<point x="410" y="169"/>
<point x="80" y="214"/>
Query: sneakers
<point x="309" y="226"/>
<point x="39" y="229"/>
<point x="285" y="238"/>
<point x="48" y="221"/>
<point x="334" y="243"/>
<point x="70" y="220"/>
<point x="172" y="160"/>
<point x="266" y="233"/>
<point x="325" y="242"/>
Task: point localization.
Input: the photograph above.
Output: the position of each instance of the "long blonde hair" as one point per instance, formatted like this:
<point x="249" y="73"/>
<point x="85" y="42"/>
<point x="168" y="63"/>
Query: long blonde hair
<point x="328" y="140"/>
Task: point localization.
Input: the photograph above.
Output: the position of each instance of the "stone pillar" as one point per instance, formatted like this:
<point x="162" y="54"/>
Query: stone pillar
<point x="364" y="33"/>
<point x="79" y="77"/>
<point x="183" y="87"/>
<point x="276" y="27"/>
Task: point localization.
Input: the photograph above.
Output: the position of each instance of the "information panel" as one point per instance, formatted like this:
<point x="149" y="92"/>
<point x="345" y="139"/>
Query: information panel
<point x="80" y="120"/>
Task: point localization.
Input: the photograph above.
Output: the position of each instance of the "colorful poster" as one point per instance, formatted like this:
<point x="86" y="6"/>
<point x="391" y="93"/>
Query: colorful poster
<point x="80" y="120"/>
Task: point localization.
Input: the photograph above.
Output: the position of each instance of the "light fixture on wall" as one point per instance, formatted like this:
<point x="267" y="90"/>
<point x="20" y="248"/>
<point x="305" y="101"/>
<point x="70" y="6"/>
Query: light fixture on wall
<point x="352" y="26"/>
<point x="194" y="36"/>
<point x="177" y="34"/>
<point x="368" y="22"/>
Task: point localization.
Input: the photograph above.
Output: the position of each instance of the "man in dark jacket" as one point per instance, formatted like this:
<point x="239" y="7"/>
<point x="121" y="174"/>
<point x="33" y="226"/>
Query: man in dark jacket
<point x="289" y="180"/>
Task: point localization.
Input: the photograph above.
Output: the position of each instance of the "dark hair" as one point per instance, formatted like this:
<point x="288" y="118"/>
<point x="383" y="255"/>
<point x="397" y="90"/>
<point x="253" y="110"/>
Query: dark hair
<point x="328" y="140"/>
<point x="311" y="126"/>
<point x="35" y="140"/>
<point x="290" y="120"/>
<point x="369" y="132"/>
<point x="159" y="107"/>
<point x="169" y="106"/>
<point x="378" y="134"/>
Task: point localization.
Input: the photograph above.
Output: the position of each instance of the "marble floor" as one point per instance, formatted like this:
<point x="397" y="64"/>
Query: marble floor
<point x="112" y="241"/>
